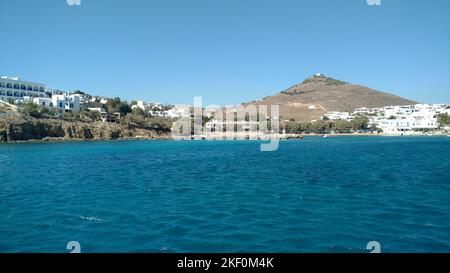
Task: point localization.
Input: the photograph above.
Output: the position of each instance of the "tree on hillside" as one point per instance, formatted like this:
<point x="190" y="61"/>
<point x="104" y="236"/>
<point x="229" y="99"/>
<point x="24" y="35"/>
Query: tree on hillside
<point x="137" y="112"/>
<point x="116" y="105"/>
<point x="305" y="127"/>
<point x="443" y="119"/>
<point x="33" y="110"/>
<point x="291" y="127"/>
<point x="92" y="115"/>
<point x="320" y="126"/>
<point x="341" y="126"/>
<point x="112" y="105"/>
<point x="79" y="92"/>
<point x="136" y="118"/>
<point x="360" y="124"/>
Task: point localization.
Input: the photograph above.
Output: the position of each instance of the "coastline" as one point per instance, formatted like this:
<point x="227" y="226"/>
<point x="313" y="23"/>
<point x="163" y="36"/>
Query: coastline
<point x="169" y="138"/>
<point x="25" y="129"/>
<point x="77" y="140"/>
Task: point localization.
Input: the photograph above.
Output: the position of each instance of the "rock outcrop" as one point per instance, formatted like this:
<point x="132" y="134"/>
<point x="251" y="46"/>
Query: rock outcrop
<point x="21" y="127"/>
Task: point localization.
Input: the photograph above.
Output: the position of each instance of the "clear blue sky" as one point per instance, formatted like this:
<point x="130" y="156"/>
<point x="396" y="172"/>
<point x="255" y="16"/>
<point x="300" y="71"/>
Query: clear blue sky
<point x="228" y="51"/>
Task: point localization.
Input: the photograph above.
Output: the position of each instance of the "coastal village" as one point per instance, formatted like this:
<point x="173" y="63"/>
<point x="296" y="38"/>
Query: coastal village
<point x="19" y="95"/>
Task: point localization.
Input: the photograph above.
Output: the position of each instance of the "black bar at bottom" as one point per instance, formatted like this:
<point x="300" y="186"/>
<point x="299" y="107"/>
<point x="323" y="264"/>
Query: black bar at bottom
<point x="245" y="262"/>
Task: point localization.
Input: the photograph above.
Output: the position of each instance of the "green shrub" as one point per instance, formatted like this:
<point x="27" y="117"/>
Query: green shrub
<point x="443" y="119"/>
<point x="33" y="110"/>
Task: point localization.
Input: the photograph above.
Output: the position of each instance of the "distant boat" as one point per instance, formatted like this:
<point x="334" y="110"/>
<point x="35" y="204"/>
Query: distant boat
<point x="325" y="136"/>
<point x="448" y="135"/>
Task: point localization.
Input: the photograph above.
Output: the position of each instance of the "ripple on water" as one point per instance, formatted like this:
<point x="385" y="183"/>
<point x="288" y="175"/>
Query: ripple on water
<point x="308" y="196"/>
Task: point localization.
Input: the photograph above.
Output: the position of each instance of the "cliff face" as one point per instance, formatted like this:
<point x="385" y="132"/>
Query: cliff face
<point x="20" y="127"/>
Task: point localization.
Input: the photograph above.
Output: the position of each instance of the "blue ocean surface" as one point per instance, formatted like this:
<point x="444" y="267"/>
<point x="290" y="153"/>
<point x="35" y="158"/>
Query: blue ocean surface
<point x="313" y="195"/>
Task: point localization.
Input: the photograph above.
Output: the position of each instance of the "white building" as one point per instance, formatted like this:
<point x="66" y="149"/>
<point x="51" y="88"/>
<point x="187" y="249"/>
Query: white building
<point x="61" y="103"/>
<point x="158" y="113"/>
<point x="45" y="102"/>
<point x="406" y="125"/>
<point x="14" y="88"/>
<point x="339" y="116"/>
<point x="366" y="111"/>
<point x="179" y="111"/>
<point x="99" y="99"/>
<point x="398" y="119"/>
<point x="216" y="125"/>
<point x="405" y="119"/>
<point x="153" y="108"/>
<point x="97" y="109"/>
<point x="140" y="104"/>
<point x="67" y="102"/>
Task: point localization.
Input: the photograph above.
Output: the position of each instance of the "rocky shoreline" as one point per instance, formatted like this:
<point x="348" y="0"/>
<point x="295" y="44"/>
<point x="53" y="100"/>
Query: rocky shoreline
<point x="18" y="128"/>
<point x="21" y="128"/>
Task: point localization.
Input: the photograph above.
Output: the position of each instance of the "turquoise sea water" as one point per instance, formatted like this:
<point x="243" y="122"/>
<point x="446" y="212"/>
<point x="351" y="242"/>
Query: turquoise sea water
<point x="312" y="195"/>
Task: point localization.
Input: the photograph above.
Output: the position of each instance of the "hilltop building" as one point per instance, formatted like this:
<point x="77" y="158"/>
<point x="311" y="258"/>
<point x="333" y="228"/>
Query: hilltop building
<point x="24" y="91"/>
<point x="61" y="103"/>
<point x="16" y="89"/>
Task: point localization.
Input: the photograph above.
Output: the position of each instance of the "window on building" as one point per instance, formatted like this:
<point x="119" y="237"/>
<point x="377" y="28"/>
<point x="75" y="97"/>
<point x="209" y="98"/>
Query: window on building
<point x="16" y="86"/>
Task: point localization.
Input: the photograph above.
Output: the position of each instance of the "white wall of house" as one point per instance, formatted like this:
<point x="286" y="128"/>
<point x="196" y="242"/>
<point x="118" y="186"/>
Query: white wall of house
<point x="409" y="118"/>
<point x="67" y="102"/>
<point x="179" y="111"/>
<point x="139" y="104"/>
<point x="339" y="116"/>
<point x="45" y="102"/>
<point x="398" y="119"/>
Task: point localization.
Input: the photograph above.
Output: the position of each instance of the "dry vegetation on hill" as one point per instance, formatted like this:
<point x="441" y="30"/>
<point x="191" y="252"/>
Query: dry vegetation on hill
<point x="318" y="95"/>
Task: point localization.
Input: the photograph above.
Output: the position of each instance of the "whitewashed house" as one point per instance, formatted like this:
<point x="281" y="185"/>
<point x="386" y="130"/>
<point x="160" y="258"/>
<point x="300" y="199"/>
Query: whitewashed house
<point x="61" y="103"/>
<point x="339" y="116"/>
<point x="179" y="111"/>
<point x="407" y="119"/>
<point x="67" y="102"/>
<point x="140" y="104"/>
<point x="44" y="102"/>
<point x="216" y="125"/>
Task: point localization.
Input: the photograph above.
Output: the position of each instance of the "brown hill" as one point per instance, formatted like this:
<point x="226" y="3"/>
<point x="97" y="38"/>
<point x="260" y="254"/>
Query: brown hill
<point x="319" y="94"/>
